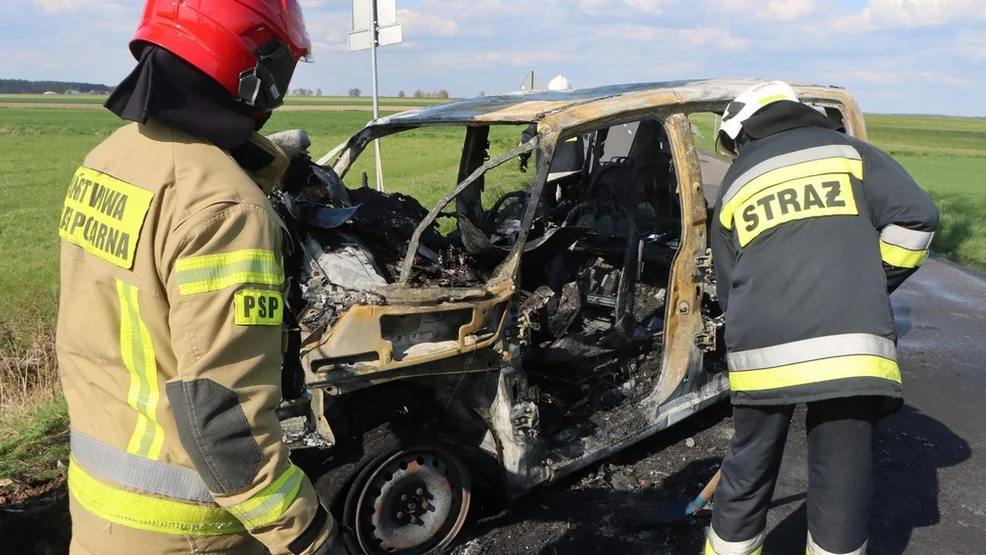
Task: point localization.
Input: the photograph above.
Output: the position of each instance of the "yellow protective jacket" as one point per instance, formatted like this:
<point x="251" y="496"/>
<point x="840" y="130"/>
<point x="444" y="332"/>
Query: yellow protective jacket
<point x="170" y="350"/>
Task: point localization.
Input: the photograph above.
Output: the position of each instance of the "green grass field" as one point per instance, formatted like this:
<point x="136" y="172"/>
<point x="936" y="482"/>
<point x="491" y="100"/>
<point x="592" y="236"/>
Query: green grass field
<point x="43" y="146"/>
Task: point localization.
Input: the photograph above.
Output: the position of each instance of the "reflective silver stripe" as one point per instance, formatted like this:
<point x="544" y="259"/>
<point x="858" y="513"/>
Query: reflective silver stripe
<point x="812" y="349"/>
<point x="748" y="547"/>
<point x="558" y="175"/>
<point x="814" y="549"/>
<point x="110" y="463"/>
<point x="777" y="162"/>
<point x="907" y="238"/>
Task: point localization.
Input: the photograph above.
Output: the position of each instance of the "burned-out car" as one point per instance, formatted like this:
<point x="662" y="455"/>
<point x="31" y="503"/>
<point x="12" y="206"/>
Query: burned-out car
<point x="495" y="342"/>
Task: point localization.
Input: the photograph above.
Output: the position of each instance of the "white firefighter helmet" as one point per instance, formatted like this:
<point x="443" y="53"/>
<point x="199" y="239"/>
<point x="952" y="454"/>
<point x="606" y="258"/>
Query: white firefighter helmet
<point x="744" y="107"/>
<point x="560" y="83"/>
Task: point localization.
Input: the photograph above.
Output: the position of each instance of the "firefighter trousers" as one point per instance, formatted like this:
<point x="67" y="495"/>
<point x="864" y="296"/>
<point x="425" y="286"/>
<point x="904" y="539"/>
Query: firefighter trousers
<point x="840" y="476"/>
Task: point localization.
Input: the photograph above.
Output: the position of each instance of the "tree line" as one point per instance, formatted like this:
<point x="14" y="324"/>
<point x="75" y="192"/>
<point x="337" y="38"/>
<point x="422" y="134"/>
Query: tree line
<point x="306" y="92"/>
<point x="356" y="92"/>
<point x="22" y="86"/>
<point x="441" y="93"/>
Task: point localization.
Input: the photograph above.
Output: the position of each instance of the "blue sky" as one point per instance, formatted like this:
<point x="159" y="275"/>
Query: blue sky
<point x="921" y="56"/>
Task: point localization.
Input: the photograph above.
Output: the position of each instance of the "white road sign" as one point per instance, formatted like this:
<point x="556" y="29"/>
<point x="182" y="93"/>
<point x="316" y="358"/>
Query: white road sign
<point x="361" y="40"/>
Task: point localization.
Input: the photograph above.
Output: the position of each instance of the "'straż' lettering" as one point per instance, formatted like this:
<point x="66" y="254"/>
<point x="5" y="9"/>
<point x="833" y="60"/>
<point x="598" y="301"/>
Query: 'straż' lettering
<point x="832" y="191"/>
<point x="795" y="201"/>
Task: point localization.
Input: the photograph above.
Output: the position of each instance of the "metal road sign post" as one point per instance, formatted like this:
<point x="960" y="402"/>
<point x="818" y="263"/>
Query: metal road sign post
<point x="375" y="24"/>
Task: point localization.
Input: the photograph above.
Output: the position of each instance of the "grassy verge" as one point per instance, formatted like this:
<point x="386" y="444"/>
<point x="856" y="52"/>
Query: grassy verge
<point x="30" y="448"/>
<point x="33" y="416"/>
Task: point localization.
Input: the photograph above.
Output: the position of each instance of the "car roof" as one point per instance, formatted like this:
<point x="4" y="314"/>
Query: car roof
<point x="579" y="105"/>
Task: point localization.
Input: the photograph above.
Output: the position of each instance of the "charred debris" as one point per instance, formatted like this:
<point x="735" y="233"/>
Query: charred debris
<point x="594" y="273"/>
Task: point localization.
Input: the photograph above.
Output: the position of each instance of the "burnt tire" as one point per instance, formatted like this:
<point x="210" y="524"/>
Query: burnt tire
<point x="404" y="494"/>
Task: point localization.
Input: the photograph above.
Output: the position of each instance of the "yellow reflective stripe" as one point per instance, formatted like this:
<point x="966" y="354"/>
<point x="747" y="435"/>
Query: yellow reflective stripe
<point x="775" y="98"/>
<point x="815" y="549"/>
<point x="785" y="174"/>
<point x="214" y="272"/>
<point x="815" y="371"/>
<point x="147" y="513"/>
<point x="710" y="551"/>
<point x="269" y="505"/>
<point x="901" y="257"/>
<point x="137" y="351"/>
<point x="715" y="545"/>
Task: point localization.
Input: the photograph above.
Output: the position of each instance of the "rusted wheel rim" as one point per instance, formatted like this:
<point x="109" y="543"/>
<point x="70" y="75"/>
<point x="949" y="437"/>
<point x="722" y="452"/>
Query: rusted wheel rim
<point x="414" y="502"/>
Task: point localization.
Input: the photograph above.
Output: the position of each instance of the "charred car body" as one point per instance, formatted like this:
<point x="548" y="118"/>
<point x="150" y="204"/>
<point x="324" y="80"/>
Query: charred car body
<point x="555" y="325"/>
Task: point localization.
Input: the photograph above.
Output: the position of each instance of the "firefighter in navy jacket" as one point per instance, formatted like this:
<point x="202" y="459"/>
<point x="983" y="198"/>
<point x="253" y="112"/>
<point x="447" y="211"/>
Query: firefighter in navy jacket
<point x="812" y="231"/>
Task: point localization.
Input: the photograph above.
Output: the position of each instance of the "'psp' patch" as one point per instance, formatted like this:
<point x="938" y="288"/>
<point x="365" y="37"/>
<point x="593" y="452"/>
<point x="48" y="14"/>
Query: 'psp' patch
<point x="258" y="308"/>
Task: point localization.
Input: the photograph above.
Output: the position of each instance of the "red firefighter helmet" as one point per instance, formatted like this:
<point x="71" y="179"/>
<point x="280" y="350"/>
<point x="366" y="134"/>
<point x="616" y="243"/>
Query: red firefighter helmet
<point x="250" y="47"/>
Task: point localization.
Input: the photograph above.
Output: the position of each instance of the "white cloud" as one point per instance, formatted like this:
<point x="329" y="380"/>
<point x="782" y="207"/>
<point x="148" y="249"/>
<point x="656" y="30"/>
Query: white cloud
<point x="526" y="58"/>
<point x="907" y="14"/>
<point x="55" y="6"/>
<point x="595" y="6"/>
<point x="649" y="6"/>
<point x="972" y="45"/>
<point x="616" y="7"/>
<point x="329" y="27"/>
<point x="517" y="58"/>
<point x="720" y="37"/>
<point x="866" y="75"/>
<point x="774" y="10"/>
<point x="903" y="75"/>
<point x="936" y="79"/>
<point x="425" y="24"/>
<point x="666" y="37"/>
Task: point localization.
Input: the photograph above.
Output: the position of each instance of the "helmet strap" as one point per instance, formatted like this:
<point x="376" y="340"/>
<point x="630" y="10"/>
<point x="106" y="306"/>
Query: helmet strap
<point x="264" y="86"/>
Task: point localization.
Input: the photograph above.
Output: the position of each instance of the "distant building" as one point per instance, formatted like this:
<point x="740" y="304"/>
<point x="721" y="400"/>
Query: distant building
<point x="49" y="92"/>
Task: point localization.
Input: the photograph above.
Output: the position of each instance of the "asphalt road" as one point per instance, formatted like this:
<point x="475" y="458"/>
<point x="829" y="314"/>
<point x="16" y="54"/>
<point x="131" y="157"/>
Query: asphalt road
<point x="930" y="458"/>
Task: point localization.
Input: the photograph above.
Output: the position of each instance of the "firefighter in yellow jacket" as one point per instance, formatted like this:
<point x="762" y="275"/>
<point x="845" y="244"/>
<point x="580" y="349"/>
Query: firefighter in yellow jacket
<point x="170" y="323"/>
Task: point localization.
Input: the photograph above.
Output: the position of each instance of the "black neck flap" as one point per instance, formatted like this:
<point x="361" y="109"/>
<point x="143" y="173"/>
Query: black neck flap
<point x="785" y="115"/>
<point x="169" y="89"/>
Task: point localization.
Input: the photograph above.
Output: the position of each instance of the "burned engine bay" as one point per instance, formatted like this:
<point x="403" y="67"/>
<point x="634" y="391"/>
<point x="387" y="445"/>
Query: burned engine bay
<point x="594" y="273"/>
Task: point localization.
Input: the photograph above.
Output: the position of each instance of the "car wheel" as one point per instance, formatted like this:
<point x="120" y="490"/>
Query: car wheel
<point x="412" y="501"/>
